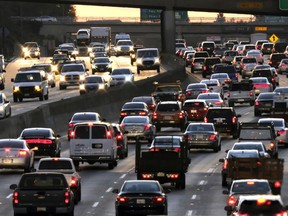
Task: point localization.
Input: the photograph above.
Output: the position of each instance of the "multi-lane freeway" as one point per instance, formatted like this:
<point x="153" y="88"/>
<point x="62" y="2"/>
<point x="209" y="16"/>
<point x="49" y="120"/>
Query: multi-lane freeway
<point x="203" y="193"/>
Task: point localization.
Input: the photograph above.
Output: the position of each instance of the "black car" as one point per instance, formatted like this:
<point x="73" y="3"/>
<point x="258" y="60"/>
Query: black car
<point x="134" y="109"/>
<point x="141" y="197"/>
<point x="225" y="120"/>
<point x="44" y="139"/>
<point x="207" y="65"/>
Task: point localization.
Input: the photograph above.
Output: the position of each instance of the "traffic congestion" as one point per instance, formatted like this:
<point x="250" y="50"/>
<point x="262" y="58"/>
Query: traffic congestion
<point x="214" y="144"/>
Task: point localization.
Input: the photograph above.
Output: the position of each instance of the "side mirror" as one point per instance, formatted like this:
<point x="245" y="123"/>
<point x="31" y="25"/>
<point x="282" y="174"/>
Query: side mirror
<point x="13" y="186"/>
<point x="116" y="191"/>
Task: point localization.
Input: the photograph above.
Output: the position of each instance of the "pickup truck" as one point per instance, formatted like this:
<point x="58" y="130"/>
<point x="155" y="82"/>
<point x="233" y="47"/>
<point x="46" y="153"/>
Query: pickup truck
<point x="41" y="192"/>
<point x="260" y="132"/>
<point x="65" y="166"/>
<point x="164" y="166"/>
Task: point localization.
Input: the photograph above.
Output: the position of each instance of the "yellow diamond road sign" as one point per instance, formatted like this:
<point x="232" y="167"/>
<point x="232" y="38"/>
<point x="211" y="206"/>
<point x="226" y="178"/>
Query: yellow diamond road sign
<point x="273" y="38"/>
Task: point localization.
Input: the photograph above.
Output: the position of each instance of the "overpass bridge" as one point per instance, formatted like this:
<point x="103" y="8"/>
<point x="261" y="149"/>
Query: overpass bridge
<point x="168" y="27"/>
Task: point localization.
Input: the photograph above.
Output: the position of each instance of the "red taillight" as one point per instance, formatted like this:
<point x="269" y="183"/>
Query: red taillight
<point x="67" y="197"/>
<point x="234" y="120"/>
<point x="22" y="153"/>
<point x="73" y="182"/>
<point x="212" y="137"/>
<point x="158" y="199"/>
<point x="40" y="141"/>
<point x="15" y="198"/>
<point x="181" y="115"/>
<point x="123" y="113"/>
<point x="231" y="201"/>
<point x="142" y="113"/>
<point x="256" y="103"/>
<point x="108" y="135"/>
<point x="281" y="132"/>
<point x="119" y="137"/>
<point x="122" y="199"/>
<point x="205" y="119"/>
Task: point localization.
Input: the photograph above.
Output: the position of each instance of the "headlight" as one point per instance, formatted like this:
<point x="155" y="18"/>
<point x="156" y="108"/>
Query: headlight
<point x="82" y="77"/>
<point x="54" y="68"/>
<point x="157" y="60"/>
<point x="82" y="87"/>
<point x="37" y="88"/>
<point x="16" y="89"/>
<point x="62" y="78"/>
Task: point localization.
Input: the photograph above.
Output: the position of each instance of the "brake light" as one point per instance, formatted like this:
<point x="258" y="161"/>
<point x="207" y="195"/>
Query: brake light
<point x="205" y="119"/>
<point x="15" y="198"/>
<point x="22" y="152"/>
<point x="212" y="137"/>
<point x="158" y="199"/>
<point x="119" y="137"/>
<point x="234" y="120"/>
<point x="108" y="135"/>
<point x="40" y="141"/>
<point x="67" y="197"/>
<point x="123" y="113"/>
<point x="154" y="115"/>
<point x="142" y="113"/>
<point x="122" y="199"/>
<point x="181" y="115"/>
<point x="147" y="127"/>
<point x="147" y="176"/>
<point x="73" y="182"/>
<point x="256" y="103"/>
<point x="281" y="132"/>
<point x="173" y="176"/>
<point x="277" y="184"/>
<point x="231" y="201"/>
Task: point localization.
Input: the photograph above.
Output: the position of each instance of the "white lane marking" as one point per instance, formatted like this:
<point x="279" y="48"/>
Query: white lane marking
<point x="189" y="213"/>
<point x="123" y="176"/>
<point x="95" y="204"/>
<point x="202" y="182"/>
<point x="109" y="189"/>
<point x="193" y="197"/>
<point x="9" y="196"/>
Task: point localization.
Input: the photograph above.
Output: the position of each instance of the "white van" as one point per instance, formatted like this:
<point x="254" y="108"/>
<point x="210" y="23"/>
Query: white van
<point x="93" y="142"/>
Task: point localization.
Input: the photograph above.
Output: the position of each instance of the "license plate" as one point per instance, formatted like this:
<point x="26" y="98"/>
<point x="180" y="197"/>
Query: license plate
<point x="41" y="209"/>
<point x="140" y="201"/>
<point x="7" y="161"/>
<point x="160" y="174"/>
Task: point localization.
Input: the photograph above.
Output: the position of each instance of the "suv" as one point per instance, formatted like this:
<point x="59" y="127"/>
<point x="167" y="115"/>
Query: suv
<point x="207" y="65"/>
<point x="225" y="120"/>
<point x="30" y="84"/>
<point x="31" y="50"/>
<point x="169" y="114"/>
<point x="208" y="46"/>
<point x="148" y="59"/>
<point x="93" y="142"/>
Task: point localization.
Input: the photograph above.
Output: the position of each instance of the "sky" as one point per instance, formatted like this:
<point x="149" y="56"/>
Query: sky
<point x="100" y="11"/>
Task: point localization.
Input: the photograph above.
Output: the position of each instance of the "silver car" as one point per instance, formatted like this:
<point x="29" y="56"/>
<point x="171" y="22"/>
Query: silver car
<point x="15" y="154"/>
<point x="280" y="129"/>
<point x="5" y="106"/>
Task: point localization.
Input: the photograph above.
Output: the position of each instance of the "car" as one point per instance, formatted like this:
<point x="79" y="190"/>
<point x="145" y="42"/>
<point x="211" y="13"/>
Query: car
<point x="252" y="145"/>
<point x="213" y="85"/>
<point x="267" y="48"/>
<point x="31" y="50"/>
<point x="15" y="154"/>
<point x="169" y="114"/>
<point x="148" y="59"/>
<point x="225" y="120"/>
<point x="283" y="66"/>
<point x="149" y="100"/>
<point x="134" y="108"/>
<point x="247" y="153"/>
<point x="228" y="56"/>
<point x="121" y="76"/>
<point x="264" y="103"/>
<point x="247" y="70"/>
<point x="197" y="64"/>
<point x="122" y="144"/>
<point x="138" y="127"/>
<point x="207" y="65"/>
<point x="212" y="99"/>
<point x="246" y="187"/>
<point x="101" y="64"/>
<point x="257" y="54"/>
<point x="82" y="117"/>
<point x="166" y="143"/>
<point x="268" y="73"/>
<point x="275" y="59"/>
<point x="45" y="139"/>
<point x="203" y="136"/>
<point x="5" y="106"/>
<point x="280" y="128"/>
<point x="45" y="19"/>
<point x="194" y="89"/>
<point x="259" y="205"/>
<point x="49" y="72"/>
<point x="261" y="85"/>
<point x="195" y="109"/>
<point x="30" y="84"/>
<point x="93" y="83"/>
<point x="135" y="194"/>
<point x="223" y="78"/>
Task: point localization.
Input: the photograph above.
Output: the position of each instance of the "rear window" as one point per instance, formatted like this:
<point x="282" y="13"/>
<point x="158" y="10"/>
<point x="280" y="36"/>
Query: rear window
<point x="168" y="107"/>
<point x="55" y="164"/>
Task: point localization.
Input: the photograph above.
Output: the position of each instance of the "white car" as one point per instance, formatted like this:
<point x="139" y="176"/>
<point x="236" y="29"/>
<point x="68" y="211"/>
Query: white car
<point x="5" y="107"/>
<point x="121" y="75"/>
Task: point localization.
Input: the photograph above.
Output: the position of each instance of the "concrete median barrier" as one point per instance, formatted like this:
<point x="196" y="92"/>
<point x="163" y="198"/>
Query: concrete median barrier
<point x="57" y="114"/>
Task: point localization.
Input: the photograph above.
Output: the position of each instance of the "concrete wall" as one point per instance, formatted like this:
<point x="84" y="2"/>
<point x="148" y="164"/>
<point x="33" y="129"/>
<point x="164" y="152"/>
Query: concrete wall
<point x="56" y="115"/>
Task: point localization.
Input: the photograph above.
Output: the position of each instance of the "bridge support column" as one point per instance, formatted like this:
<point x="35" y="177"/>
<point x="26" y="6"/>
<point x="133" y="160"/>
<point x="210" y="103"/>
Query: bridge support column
<point x="168" y="31"/>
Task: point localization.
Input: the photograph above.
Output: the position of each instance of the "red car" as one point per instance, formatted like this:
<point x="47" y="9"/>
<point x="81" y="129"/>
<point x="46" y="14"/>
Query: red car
<point x="195" y="109"/>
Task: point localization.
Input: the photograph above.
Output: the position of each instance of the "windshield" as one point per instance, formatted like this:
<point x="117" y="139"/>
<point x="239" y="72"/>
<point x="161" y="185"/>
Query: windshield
<point x="28" y="77"/>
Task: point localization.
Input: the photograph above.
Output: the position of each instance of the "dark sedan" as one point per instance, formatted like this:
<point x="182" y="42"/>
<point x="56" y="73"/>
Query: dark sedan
<point x="44" y="139"/>
<point x="141" y="197"/>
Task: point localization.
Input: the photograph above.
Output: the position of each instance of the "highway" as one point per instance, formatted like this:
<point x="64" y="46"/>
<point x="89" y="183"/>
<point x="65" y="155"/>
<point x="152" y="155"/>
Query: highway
<point x="203" y="193"/>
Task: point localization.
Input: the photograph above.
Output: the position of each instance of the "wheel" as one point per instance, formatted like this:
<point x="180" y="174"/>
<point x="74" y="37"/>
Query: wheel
<point x="15" y="98"/>
<point x="41" y="97"/>
<point x="46" y="96"/>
